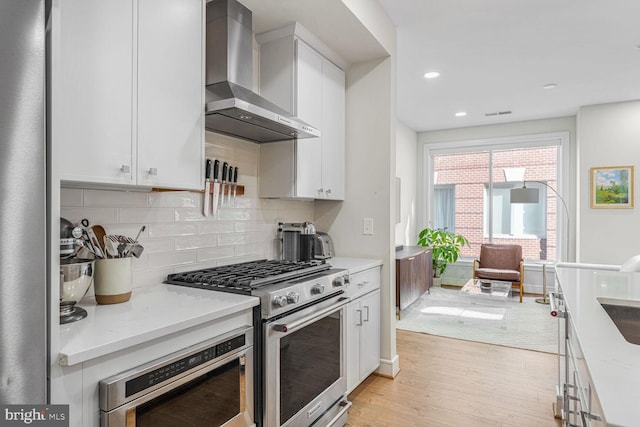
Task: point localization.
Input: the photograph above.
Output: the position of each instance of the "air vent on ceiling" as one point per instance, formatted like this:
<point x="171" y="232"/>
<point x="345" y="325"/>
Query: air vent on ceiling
<point x="498" y="113"/>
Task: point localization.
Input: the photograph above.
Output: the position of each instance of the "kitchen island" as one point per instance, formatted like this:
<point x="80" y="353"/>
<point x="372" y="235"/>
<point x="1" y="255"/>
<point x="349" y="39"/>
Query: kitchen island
<point x="613" y="363"/>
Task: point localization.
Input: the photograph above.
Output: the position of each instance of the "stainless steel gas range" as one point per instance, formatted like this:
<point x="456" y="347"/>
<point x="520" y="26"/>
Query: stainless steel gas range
<point x="299" y="335"/>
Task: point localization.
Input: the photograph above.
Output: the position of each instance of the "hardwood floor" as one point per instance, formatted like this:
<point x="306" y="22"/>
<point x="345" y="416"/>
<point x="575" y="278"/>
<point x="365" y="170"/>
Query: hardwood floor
<point x="449" y="382"/>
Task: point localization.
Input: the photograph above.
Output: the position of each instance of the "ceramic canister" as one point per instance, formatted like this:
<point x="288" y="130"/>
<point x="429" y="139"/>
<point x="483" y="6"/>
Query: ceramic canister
<point x="112" y="280"/>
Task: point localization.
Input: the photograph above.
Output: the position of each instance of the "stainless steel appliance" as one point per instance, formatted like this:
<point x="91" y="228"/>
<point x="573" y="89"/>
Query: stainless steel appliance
<point x="232" y="107"/>
<point x="297" y="240"/>
<point x="208" y="384"/>
<point x="324" y="246"/>
<point x="300" y="332"/>
<point x="24" y="287"/>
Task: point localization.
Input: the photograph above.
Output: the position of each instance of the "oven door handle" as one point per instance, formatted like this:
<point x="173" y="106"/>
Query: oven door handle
<point x="289" y="327"/>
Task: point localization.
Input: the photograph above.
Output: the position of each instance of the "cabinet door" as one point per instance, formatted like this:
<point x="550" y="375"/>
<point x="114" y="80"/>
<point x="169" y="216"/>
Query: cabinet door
<point x="333" y="128"/>
<point x="92" y="88"/>
<point x="170" y="93"/>
<point x="309" y="109"/>
<point x="370" y="334"/>
<point x="354" y="323"/>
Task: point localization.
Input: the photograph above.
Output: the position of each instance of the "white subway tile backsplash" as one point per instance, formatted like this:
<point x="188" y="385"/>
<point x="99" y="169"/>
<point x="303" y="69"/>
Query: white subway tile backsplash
<point x="172" y="229"/>
<point x="175" y="199"/>
<point x="171" y="259"/>
<point x="232" y="239"/>
<point x="190" y="214"/>
<point x="145" y="215"/>
<point x="215" y="254"/>
<point x="178" y="237"/>
<point x="100" y="198"/>
<point x="216" y="227"/>
<point x="71" y="197"/>
<point x="94" y="215"/>
<point x="195" y="242"/>
<point x="158" y="245"/>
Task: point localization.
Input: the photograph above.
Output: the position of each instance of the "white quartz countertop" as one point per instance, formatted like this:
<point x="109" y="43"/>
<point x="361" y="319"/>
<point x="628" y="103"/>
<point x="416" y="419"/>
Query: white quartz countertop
<point x="354" y="265"/>
<point x="152" y="312"/>
<point x="614" y="363"/>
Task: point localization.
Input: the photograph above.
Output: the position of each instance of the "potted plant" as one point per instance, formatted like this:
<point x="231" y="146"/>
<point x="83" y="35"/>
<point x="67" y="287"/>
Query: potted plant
<point x="445" y="247"/>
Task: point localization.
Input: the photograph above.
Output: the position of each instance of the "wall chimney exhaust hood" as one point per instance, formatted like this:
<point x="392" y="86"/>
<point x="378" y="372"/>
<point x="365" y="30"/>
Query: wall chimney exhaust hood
<point x="231" y="107"/>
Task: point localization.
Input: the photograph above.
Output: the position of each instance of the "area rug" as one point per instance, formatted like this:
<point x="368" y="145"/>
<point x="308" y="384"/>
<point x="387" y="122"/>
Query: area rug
<point x="446" y="313"/>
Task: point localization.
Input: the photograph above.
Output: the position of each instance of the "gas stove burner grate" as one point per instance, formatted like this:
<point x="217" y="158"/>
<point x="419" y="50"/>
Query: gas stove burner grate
<point x="246" y="276"/>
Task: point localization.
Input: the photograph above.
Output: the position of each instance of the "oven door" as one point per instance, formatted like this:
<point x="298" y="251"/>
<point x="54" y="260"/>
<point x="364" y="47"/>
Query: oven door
<point x="217" y="391"/>
<point x="305" y="365"/>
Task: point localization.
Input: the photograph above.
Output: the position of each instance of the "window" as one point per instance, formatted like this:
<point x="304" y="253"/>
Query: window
<point x="469" y="193"/>
<point x="517" y="220"/>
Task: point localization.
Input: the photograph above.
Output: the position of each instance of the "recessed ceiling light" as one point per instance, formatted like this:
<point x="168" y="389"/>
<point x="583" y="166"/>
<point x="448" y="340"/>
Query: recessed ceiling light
<point x="550" y="86"/>
<point x="431" y="75"/>
<point x="461" y="113"/>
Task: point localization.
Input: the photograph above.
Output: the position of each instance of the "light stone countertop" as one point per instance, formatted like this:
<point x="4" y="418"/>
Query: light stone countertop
<point x="613" y="363"/>
<point x="354" y="265"/>
<point x="152" y="312"/>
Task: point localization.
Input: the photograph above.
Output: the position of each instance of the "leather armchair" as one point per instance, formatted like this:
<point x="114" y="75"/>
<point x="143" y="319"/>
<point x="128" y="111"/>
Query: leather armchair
<point x="500" y="262"/>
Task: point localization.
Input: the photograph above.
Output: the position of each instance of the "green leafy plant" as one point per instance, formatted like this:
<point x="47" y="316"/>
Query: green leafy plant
<point x="445" y="247"/>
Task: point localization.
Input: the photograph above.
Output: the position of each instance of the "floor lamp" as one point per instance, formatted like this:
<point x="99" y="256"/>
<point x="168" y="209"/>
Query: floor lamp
<point x="532" y="195"/>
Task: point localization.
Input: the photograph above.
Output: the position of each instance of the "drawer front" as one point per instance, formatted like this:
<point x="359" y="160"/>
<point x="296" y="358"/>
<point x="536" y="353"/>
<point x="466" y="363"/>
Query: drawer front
<point x="364" y="282"/>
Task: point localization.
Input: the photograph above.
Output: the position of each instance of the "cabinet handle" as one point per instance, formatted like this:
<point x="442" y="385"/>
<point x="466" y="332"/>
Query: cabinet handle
<point x="362" y="284"/>
<point x="359" y="314"/>
<point x="366" y="307"/>
<point x="328" y="191"/>
<point x="320" y="190"/>
<point x="125" y="169"/>
<point x="153" y="171"/>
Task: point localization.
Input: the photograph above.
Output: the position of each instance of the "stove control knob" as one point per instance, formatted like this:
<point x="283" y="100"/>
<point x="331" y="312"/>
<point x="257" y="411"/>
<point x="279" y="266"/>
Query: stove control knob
<point x="338" y="281"/>
<point x="279" y="301"/>
<point x="317" y="289"/>
<point x="293" y="297"/>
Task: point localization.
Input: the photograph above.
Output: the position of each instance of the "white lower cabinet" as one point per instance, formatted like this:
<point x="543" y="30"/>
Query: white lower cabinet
<point x="363" y="327"/>
<point x="127" y="92"/>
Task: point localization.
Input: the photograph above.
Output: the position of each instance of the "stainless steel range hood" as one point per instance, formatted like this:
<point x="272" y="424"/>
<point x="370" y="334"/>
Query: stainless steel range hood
<point x="232" y="108"/>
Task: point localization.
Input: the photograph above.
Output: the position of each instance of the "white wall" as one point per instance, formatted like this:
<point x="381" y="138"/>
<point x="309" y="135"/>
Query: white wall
<point x="608" y="135"/>
<point x="407" y="160"/>
<point x="177" y="236"/>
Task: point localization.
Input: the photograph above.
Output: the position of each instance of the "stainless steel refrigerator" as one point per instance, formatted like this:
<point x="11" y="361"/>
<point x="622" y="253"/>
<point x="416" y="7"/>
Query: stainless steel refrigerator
<point x="24" y="314"/>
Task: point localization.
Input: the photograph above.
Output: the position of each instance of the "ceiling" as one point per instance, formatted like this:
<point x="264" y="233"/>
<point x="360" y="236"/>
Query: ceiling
<point x="497" y="55"/>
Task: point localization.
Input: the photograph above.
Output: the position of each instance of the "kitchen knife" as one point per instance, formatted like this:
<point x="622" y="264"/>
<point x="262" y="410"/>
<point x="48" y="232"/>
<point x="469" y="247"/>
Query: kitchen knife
<point x="225" y="165"/>
<point x="235" y="184"/>
<point x="230" y="181"/>
<point x="206" y="207"/>
<point x="216" y="186"/>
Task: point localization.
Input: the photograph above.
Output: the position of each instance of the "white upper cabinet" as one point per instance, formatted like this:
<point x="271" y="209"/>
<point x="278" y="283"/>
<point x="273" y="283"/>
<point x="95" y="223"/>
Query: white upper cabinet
<point x="297" y="78"/>
<point x="92" y="88"/>
<point x="127" y="92"/>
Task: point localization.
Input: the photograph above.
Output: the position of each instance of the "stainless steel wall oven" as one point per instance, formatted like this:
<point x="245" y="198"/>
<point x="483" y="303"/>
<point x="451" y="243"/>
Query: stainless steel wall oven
<point x="209" y="384"/>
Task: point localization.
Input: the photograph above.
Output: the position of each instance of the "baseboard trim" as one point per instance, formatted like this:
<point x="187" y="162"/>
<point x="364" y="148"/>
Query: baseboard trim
<point x="389" y="368"/>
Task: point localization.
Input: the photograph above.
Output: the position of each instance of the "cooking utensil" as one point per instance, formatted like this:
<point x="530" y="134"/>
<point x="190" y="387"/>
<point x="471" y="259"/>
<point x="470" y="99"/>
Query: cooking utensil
<point x="95" y="243"/>
<point x="206" y="208"/>
<point x="235" y="184"/>
<point x="100" y="232"/>
<point x="216" y="186"/>
<point x="111" y="247"/>
<point x="225" y="165"/>
<point x="230" y="181"/>
<point x="139" y="233"/>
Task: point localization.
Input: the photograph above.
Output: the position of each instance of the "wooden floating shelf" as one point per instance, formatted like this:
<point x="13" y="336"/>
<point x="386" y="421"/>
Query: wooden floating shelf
<point x="227" y="189"/>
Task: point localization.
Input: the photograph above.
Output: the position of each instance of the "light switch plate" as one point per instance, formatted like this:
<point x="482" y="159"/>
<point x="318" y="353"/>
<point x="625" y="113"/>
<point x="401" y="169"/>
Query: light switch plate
<point x="367" y="226"/>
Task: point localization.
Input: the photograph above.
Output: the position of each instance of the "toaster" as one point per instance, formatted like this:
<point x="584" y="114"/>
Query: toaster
<point x="323" y="247"/>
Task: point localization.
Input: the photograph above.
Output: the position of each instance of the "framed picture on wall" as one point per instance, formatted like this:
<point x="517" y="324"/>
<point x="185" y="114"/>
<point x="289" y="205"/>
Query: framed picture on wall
<point x="612" y="187"/>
